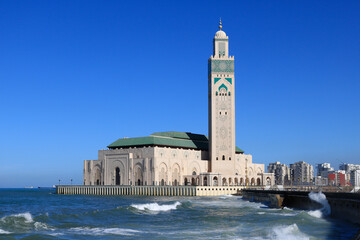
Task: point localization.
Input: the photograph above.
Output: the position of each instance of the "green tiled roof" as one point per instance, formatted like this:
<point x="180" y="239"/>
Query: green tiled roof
<point x="170" y="139"/>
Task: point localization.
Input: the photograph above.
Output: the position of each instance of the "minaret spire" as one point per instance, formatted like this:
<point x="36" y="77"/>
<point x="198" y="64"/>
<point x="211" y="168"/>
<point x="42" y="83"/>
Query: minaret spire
<point x="220" y="27"/>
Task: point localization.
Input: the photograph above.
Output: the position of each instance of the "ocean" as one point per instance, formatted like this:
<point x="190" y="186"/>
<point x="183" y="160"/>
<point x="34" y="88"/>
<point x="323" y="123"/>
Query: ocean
<point x="41" y="214"/>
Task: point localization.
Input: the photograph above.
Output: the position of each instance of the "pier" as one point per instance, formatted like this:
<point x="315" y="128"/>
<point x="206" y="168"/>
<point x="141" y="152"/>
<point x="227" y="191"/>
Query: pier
<point x="147" y="190"/>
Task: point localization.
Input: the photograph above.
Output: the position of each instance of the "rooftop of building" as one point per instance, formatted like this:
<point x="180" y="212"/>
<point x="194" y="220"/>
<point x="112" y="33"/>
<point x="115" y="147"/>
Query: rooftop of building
<point x="174" y="139"/>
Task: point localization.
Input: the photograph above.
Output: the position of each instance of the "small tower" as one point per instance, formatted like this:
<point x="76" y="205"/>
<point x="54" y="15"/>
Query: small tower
<point x="221" y="106"/>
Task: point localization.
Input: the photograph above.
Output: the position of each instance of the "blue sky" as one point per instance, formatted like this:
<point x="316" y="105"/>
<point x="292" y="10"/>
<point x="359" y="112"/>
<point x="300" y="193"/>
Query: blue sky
<point x="77" y="75"/>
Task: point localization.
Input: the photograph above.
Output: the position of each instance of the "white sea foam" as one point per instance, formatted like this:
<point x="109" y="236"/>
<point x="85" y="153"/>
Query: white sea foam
<point x="226" y="196"/>
<point x="316" y="213"/>
<point x="260" y="213"/>
<point x="320" y="198"/>
<point x="103" y="231"/>
<point x="56" y="234"/>
<point x="42" y="226"/>
<point x="156" y="207"/>
<point x="4" y="232"/>
<point x="288" y="232"/>
<point x="27" y="217"/>
<point x="236" y="203"/>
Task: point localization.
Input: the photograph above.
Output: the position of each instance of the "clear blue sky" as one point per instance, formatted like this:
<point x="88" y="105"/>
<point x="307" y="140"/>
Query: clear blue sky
<point x="77" y="75"/>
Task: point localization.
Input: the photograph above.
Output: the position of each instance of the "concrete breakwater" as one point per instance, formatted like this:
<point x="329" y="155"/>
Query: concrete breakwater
<point x="147" y="190"/>
<point x="344" y="206"/>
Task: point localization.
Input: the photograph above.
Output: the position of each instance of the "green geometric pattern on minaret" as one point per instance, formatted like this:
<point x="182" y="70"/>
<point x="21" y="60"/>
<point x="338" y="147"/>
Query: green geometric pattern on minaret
<point x="216" y="80"/>
<point x="229" y="80"/>
<point x="222" y="66"/>
<point x="223" y="86"/>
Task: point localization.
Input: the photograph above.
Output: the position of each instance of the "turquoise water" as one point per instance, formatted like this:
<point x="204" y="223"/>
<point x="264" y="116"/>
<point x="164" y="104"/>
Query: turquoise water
<point x="41" y="214"/>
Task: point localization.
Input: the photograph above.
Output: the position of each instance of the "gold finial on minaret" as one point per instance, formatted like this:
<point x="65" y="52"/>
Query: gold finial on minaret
<point x="220" y="27"/>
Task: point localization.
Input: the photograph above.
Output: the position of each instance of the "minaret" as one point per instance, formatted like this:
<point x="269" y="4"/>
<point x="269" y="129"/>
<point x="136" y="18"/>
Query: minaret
<point x="221" y="107"/>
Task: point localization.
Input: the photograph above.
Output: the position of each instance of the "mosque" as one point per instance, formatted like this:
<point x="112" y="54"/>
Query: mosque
<point x="184" y="158"/>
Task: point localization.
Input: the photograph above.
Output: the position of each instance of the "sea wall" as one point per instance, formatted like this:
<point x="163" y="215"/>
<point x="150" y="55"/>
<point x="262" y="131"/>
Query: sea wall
<point x="147" y="190"/>
<point x="344" y="206"/>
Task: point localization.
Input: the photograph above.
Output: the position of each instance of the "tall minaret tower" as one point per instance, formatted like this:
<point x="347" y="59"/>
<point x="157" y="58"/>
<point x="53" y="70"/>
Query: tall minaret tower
<point x="221" y="107"/>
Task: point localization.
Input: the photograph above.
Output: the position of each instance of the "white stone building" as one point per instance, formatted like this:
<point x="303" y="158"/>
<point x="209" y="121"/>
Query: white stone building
<point x="181" y="158"/>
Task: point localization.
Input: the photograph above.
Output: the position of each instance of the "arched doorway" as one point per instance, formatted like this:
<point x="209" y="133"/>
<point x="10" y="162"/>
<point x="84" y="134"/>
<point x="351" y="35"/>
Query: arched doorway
<point x="97" y="175"/>
<point x="258" y="181"/>
<point x="224" y="181"/>
<point x="193" y="183"/>
<point x="268" y="181"/>
<point x="162" y="182"/>
<point x="205" y="181"/>
<point x="230" y="181"/>
<point x="175" y="182"/>
<point x="117" y="176"/>
<point x="138" y="175"/>
<point x="236" y="181"/>
<point x="241" y="181"/>
<point x="215" y="180"/>
<point x="185" y="181"/>
<point x="252" y="181"/>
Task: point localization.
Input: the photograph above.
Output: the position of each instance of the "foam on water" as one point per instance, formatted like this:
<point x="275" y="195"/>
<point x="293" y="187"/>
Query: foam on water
<point x="103" y="231"/>
<point x="288" y="232"/>
<point x="320" y="198"/>
<point x="226" y="196"/>
<point x="155" y="207"/>
<point x="4" y="232"/>
<point x="27" y="217"/>
<point x="23" y="221"/>
<point x="316" y="213"/>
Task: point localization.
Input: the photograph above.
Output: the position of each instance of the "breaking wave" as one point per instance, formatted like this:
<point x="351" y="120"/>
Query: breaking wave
<point x="319" y="197"/>
<point x="16" y="218"/>
<point x="154" y="207"/>
<point x="288" y="232"/>
<point x="103" y="231"/>
<point x="22" y="221"/>
<point x="4" y="232"/>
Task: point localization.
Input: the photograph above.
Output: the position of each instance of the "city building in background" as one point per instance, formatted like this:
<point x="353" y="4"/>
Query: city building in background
<point x="355" y="178"/>
<point x="281" y="173"/>
<point x="302" y="173"/>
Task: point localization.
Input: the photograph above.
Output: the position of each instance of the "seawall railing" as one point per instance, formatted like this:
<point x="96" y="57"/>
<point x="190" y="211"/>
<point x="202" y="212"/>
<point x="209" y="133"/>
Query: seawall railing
<point x="147" y="190"/>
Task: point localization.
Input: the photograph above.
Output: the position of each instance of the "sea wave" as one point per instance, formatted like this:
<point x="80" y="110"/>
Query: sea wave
<point x="316" y="213"/>
<point x="22" y="221"/>
<point x="103" y="231"/>
<point x="320" y="198"/>
<point x="155" y="207"/>
<point x="4" y="232"/>
<point x="23" y="217"/>
<point x="288" y="232"/>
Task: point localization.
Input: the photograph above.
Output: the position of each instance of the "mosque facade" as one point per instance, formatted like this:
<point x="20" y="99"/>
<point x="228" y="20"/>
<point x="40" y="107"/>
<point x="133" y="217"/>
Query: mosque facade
<point x="183" y="158"/>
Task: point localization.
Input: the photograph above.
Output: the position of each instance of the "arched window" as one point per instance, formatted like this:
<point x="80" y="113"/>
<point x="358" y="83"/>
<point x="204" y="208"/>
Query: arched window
<point x="193" y="173"/>
<point x="223" y="157"/>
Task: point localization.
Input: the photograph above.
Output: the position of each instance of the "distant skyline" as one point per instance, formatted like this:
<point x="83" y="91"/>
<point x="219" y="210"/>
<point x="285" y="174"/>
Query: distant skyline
<point x="77" y="75"/>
